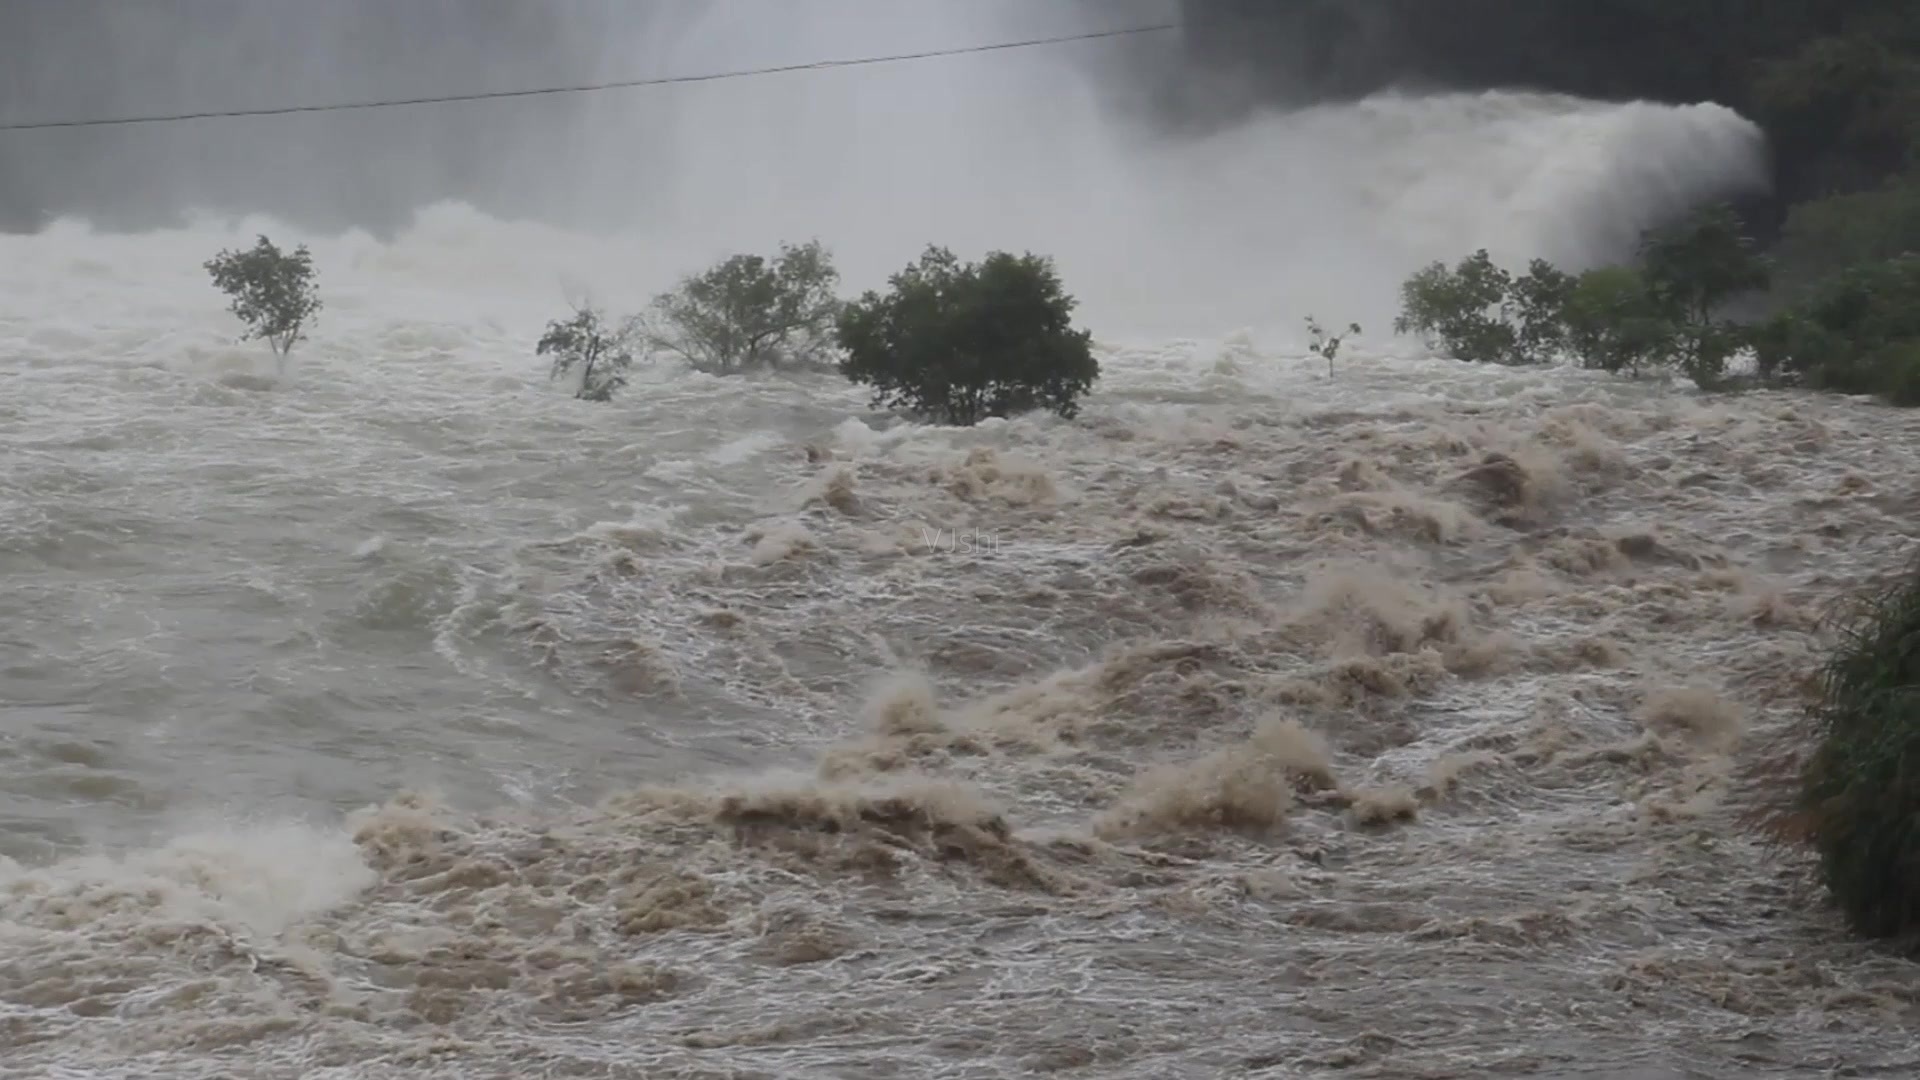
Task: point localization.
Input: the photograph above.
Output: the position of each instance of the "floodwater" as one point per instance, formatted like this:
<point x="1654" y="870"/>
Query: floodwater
<point x="398" y="715"/>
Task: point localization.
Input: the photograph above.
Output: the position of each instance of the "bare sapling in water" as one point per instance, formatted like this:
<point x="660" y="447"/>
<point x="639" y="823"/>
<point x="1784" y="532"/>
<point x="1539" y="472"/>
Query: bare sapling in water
<point x="1327" y="347"/>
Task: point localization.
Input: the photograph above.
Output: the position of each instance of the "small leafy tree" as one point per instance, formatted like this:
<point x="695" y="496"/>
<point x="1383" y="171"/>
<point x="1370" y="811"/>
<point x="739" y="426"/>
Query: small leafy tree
<point x="1449" y="308"/>
<point x="962" y="342"/>
<point x="1612" y="323"/>
<point x="603" y="354"/>
<point x="271" y="291"/>
<point x="1695" y="267"/>
<point x="1691" y="271"/>
<point x="1541" y="300"/>
<point x="748" y="312"/>
<point x="1327" y="347"/>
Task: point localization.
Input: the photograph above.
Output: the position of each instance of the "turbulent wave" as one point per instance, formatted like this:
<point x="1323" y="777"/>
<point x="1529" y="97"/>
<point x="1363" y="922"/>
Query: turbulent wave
<point x="403" y="716"/>
<point x="1387" y="720"/>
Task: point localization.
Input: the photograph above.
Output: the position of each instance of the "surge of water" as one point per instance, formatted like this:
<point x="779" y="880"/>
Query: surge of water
<point x="403" y="716"/>
<point x="1319" y="210"/>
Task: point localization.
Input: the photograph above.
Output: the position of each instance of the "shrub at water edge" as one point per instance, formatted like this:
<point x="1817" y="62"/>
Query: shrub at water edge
<point x="1857" y="333"/>
<point x="1860" y="789"/>
<point x="1663" y="313"/>
<point x="957" y="343"/>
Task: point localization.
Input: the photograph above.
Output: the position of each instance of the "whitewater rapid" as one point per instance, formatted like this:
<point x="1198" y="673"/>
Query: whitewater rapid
<point x="402" y="716"/>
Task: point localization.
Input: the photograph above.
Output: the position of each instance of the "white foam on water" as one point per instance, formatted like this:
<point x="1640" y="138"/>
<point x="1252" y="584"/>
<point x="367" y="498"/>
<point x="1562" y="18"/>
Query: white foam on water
<point x="410" y="563"/>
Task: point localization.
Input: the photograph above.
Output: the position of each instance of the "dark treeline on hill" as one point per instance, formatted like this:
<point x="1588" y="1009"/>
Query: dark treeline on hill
<point x="1835" y="83"/>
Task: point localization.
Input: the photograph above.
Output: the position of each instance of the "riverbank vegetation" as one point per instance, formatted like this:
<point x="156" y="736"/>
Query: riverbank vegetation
<point x="948" y="342"/>
<point x="1856" y="331"/>
<point x="1859" y="796"/>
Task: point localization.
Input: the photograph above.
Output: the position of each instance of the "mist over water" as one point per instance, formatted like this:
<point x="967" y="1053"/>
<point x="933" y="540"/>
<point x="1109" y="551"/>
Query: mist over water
<point x="1158" y="231"/>
<point x="402" y="716"/>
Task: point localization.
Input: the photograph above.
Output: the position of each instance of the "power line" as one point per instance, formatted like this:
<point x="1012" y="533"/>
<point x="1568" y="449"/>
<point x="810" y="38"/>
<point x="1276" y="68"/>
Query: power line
<point x="817" y="65"/>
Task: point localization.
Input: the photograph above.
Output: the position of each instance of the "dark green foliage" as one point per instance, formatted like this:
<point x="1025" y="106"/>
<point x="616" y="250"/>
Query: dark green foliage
<point x="272" y="292"/>
<point x="1462" y="312"/>
<point x="1693" y="268"/>
<point x="1898" y="365"/>
<point x="1853" y="335"/>
<point x="1703" y="351"/>
<point x="1612" y="322"/>
<point x="1618" y="319"/>
<point x="1479" y="312"/>
<point x="1860" y="789"/>
<point x="958" y="343"/>
<point x="1848" y="102"/>
<point x="748" y="312"/>
<point x="1827" y="236"/>
<point x="602" y="354"/>
<point x="1541" y="299"/>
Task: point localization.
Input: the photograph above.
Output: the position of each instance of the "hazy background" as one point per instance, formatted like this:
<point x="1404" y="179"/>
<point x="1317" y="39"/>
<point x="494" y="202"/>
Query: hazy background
<point x="1172" y="202"/>
<point x="570" y="158"/>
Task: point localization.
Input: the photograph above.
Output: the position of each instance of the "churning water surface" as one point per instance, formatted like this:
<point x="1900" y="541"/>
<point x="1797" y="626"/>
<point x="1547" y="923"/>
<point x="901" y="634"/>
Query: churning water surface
<point x="398" y="715"/>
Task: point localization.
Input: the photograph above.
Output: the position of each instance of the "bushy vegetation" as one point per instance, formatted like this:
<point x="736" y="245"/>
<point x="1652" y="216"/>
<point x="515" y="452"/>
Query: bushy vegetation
<point x="960" y="342"/>
<point x="1691" y="272"/>
<point x="601" y="353"/>
<point x="951" y="342"/>
<point x="749" y="312"/>
<point x="1610" y="322"/>
<point x="1860" y="789"/>
<point x="1857" y="331"/>
<point x="1462" y="312"/>
<point x="271" y="292"/>
<point x="1480" y="312"/>
<point x="1830" y="236"/>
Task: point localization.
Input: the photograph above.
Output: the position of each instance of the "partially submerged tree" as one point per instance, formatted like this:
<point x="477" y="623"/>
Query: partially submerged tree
<point x="1478" y="311"/>
<point x="958" y="343"/>
<point x="272" y="292"/>
<point x="1540" y="299"/>
<point x="602" y="353"/>
<point x="749" y="312"/>
<point x="1691" y="270"/>
<point x="1463" y="311"/>
<point x="1661" y="314"/>
<point x="1694" y="267"/>
<point x="1612" y="323"/>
